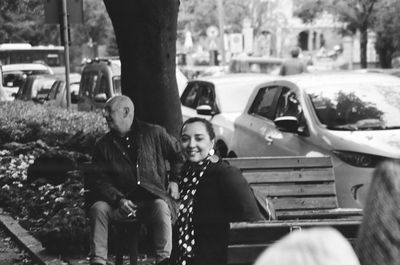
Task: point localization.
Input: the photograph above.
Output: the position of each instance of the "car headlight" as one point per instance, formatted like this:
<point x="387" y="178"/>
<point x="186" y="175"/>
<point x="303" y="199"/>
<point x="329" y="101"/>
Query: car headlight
<point x="359" y="159"/>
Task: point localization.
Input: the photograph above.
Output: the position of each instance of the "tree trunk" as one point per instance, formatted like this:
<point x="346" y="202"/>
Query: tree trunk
<point x="146" y="32"/>
<point x="363" y="47"/>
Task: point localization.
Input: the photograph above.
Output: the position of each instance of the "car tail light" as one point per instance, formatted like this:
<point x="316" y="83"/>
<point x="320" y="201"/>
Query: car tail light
<point x="359" y="159"/>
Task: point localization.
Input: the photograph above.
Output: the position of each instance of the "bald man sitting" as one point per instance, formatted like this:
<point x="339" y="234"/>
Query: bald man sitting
<point x="131" y="179"/>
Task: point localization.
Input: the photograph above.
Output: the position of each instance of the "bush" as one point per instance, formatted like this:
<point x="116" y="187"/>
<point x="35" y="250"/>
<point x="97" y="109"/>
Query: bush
<point x="52" y="213"/>
<point x="26" y="121"/>
<point x="38" y="206"/>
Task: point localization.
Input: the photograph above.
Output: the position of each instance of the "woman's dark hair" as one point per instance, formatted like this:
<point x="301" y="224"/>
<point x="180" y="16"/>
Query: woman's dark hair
<point x="206" y="123"/>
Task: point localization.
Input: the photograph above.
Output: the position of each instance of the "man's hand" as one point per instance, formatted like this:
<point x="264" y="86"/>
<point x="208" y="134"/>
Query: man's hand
<point x="128" y="207"/>
<point x="173" y="190"/>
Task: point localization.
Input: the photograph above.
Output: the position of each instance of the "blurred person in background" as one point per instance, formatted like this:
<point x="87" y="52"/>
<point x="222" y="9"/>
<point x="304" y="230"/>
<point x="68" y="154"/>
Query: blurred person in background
<point x="294" y="65"/>
<point x="314" y="246"/>
<point x="378" y="240"/>
<point x="340" y="62"/>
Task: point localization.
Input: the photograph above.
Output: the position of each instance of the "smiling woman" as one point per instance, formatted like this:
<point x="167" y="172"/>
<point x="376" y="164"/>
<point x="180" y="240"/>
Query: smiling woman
<point x="213" y="193"/>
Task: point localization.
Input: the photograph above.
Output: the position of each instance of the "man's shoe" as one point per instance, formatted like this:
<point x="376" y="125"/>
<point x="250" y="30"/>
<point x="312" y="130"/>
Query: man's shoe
<point x="163" y="262"/>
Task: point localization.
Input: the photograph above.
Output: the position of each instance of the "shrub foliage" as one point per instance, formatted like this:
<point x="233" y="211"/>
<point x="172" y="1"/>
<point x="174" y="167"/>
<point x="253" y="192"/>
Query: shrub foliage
<point x="53" y="214"/>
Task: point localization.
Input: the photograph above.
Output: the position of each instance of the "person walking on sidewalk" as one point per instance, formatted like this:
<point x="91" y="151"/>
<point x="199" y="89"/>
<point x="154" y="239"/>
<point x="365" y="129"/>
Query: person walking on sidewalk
<point x="131" y="179"/>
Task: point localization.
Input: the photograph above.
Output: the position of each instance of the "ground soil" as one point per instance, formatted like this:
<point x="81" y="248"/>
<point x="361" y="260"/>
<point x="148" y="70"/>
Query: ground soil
<point x="10" y="254"/>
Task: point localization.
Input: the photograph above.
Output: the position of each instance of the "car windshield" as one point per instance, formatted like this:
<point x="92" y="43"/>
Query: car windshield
<point x="234" y="96"/>
<point x="15" y="78"/>
<point x="372" y="106"/>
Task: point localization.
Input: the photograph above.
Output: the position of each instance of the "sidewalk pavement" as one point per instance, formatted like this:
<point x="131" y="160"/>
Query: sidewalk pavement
<point x="33" y="247"/>
<point x="10" y="254"/>
<point x="27" y="242"/>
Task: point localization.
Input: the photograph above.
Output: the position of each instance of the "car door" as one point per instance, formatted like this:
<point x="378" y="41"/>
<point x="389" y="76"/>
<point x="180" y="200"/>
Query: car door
<point x="197" y="93"/>
<point x="256" y="133"/>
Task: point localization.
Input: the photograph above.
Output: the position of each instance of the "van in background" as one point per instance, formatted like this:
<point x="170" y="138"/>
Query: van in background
<point x="101" y="79"/>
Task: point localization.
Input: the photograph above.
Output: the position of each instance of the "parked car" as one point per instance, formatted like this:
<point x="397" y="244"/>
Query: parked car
<point x="252" y="64"/>
<point x="352" y="117"/>
<point x="36" y="87"/>
<point x="101" y="79"/>
<point x="15" y="74"/>
<point x="58" y="94"/>
<point x="220" y="99"/>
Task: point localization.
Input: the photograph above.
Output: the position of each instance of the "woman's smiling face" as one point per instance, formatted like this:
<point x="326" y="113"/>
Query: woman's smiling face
<point x="196" y="141"/>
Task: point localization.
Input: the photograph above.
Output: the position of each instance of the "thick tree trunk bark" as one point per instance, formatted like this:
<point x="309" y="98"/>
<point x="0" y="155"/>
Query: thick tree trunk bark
<point x="146" y="32"/>
<point x="363" y="47"/>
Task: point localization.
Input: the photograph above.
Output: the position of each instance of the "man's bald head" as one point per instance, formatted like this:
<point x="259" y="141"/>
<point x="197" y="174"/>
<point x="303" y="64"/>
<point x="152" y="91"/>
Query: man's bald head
<point x="119" y="112"/>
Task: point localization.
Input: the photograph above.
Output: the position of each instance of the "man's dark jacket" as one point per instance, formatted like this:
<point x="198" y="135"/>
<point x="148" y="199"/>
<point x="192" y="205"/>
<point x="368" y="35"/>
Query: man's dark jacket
<point x="113" y="176"/>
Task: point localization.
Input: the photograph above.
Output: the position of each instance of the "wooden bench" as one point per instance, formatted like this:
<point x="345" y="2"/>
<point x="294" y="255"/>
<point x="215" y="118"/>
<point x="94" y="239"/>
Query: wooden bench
<point x="303" y="193"/>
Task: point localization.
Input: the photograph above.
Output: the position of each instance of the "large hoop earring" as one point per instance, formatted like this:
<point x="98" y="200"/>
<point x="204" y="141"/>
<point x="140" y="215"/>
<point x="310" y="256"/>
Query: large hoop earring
<point x="212" y="156"/>
<point x="211" y="152"/>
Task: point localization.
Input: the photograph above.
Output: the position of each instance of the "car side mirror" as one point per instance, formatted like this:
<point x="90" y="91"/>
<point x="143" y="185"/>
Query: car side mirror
<point x="287" y="124"/>
<point x="205" y="110"/>
<point x="101" y="98"/>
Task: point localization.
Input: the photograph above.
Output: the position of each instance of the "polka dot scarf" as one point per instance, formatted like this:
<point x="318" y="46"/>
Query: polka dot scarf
<point x="188" y="188"/>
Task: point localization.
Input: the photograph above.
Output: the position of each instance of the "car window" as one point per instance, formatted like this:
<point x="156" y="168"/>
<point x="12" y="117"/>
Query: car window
<point x="55" y="89"/>
<point x="117" y="84"/>
<point x="190" y="95"/>
<point x="288" y="104"/>
<point x="13" y="79"/>
<point x="375" y="105"/>
<point x="206" y="96"/>
<point x="265" y="102"/>
<point x="197" y="94"/>
<point x="42" y="86"/>
<point x="89" y="81"/>
<point x="103" y="87"/>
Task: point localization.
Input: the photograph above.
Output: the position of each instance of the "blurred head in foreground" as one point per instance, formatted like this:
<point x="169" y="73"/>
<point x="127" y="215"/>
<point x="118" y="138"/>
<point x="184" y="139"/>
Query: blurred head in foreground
<point x="378" y="240"/>
<point x="315" y="246"/>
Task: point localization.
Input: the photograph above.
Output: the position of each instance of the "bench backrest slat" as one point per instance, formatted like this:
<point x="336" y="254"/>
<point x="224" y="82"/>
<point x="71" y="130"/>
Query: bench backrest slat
<point x="291" y="183"/>
<point x="288" y="175"/>
<point x="310" y="203"/>
<point x="296" y="190"/>
<point x="281" y="162"/>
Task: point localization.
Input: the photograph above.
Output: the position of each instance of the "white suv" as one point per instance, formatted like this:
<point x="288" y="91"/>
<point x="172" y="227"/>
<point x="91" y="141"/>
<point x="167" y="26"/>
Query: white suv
<point x="101" y="79"/>
<point x="15" y="74"/>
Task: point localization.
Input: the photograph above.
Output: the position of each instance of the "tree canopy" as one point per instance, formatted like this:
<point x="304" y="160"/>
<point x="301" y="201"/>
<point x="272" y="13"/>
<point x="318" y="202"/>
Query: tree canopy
<point x="380" y="16"/>
<point x="359" y="14"/>
<point x="23" y="21"/>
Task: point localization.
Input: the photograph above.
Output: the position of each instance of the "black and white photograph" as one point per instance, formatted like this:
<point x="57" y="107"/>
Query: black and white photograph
<point x="199" y="132"/>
